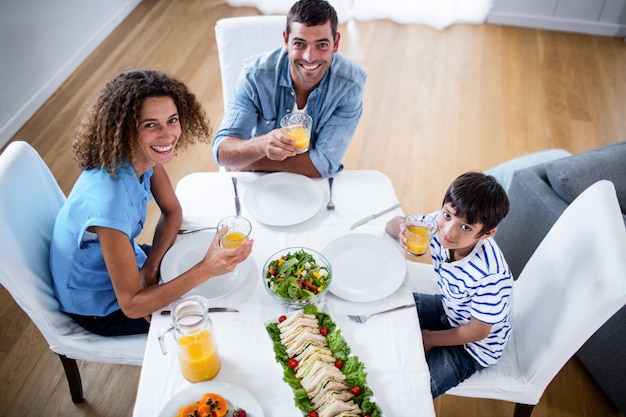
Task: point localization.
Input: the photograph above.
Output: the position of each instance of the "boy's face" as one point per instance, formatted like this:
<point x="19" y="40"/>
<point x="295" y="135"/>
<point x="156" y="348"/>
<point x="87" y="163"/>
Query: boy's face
<point x="455" y="234"/>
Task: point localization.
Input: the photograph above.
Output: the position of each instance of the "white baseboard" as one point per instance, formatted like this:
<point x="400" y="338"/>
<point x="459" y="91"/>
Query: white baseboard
<point x="49" y="86"/>
<point x="558" y="24"/>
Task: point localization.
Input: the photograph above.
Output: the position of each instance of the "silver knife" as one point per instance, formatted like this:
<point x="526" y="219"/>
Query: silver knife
<point x="237" y="204"/>
<point x="211" y="310"/>
<point x="373" y="216"/>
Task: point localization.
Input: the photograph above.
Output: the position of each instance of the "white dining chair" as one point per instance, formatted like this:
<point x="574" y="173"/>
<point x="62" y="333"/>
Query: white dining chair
<point x="240" y="37"/>
<point x="573" y="283"/>
<point x="30" y="199"/>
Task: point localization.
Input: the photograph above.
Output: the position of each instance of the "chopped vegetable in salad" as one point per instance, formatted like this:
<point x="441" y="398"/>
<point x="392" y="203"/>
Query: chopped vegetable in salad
<point x="297" y="276"/>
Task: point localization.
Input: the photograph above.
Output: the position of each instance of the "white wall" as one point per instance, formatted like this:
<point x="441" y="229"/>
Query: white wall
<point x="41" y="43"/>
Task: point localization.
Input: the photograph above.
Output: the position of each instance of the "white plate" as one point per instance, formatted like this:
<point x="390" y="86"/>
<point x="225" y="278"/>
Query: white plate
<point x="283" y="199"/>
<point x="365" y="267"/>
<point x="188" y="252"/>
<point x="235" y="396"/>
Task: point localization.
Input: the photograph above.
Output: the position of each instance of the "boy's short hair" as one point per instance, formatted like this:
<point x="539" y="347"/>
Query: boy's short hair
<point x="479" y="198"/>
<point x="312" y="13"/>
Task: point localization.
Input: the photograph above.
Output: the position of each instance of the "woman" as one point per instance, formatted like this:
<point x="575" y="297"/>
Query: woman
<point x="101" y="276"/>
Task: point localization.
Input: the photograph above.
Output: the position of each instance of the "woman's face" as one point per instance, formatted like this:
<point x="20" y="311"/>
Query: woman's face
<point x="159" y="130"/>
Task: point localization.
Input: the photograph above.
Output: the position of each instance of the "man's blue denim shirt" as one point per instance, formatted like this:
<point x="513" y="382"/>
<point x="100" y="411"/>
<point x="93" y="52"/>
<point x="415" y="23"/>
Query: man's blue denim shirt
<point x="264" y="94"/>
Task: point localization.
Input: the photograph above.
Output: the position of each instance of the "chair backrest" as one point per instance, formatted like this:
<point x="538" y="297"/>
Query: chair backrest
<point x="30" y="199"/>
<point x="573" y="283"/>
<point x="240" y="37"/>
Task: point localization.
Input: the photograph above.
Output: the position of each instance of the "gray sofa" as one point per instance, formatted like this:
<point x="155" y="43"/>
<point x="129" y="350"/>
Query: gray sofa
<point x="538" y="195"/>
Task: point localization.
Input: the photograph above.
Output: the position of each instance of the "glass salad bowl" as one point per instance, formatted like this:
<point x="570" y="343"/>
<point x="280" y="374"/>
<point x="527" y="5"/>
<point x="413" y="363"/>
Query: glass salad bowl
<point x="297" y="276"/>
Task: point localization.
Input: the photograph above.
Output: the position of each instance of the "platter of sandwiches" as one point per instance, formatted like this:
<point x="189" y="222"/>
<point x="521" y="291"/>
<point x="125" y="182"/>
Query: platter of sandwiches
<point x="326" y="379"/>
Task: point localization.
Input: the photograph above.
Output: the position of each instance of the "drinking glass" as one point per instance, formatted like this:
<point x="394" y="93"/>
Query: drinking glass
<point x="234" y="231"/>
<point x="298" y="127"/>
<point x="419" y="230"/>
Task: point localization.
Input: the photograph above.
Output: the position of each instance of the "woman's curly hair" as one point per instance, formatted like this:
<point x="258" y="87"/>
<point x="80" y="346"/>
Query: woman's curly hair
<point x="107" y="137"/>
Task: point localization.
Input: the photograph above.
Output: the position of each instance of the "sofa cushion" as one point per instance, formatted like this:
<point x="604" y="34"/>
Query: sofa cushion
<point x="572" y="175"/>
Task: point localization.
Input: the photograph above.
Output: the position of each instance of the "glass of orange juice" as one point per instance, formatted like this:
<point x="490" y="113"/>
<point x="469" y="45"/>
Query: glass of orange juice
<point x="234" y="231"/>
<point x="419" y="230"/>
<point x="193" y="330"/>
<point x="298" y="127"/>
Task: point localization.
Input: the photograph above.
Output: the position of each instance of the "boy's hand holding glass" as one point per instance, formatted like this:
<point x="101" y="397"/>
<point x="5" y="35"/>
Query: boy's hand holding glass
<point x="417" y="232"/>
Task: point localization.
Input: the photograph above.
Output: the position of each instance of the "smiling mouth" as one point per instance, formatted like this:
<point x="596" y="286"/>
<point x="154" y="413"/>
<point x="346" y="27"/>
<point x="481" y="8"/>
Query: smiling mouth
<point x="163" y="149"/>
<point x="310" y="67"/>
<point x="445" y="239"/>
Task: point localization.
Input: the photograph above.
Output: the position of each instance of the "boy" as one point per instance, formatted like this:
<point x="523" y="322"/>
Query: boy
<point x="466" y="327"/>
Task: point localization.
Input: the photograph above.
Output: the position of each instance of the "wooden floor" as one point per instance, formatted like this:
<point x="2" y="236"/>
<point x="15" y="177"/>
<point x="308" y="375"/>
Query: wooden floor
<point x="437" y="103"/>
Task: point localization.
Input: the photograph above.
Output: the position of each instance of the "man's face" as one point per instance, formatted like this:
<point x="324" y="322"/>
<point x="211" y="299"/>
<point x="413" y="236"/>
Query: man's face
<point x="310" y="50"/>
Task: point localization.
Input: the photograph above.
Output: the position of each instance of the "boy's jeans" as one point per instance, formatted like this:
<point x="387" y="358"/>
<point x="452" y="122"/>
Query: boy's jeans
<point x="448" y="365"/>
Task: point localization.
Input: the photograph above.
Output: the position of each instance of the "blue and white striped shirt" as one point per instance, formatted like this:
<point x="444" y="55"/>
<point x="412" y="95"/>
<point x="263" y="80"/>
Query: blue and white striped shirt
<point x="479" y="286"/>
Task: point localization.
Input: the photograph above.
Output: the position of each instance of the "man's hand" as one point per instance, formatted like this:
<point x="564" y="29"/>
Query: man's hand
<point x="277" y="146"/>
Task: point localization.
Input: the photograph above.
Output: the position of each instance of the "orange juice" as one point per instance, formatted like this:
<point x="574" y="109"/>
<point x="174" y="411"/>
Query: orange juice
<point x="199" y="360"/>
<point x="300" y="135"/>
<point x="417" y="240"/>
<point x="233" y="239"/>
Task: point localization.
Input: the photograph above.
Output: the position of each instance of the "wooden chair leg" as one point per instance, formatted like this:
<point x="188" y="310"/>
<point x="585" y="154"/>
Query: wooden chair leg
<point x="523" y="410"/>
<point x="73" y="378"/>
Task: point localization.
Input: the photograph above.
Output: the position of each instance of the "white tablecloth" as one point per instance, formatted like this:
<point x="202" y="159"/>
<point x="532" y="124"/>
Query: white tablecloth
<point x="389" y="345"/>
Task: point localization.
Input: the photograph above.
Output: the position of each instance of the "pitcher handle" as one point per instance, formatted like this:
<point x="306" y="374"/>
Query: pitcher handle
<point x="162" y="334"/>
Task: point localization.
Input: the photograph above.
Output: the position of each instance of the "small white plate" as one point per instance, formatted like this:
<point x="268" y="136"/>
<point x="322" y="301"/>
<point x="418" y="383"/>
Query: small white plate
<point x="365" y="267"/>
<point x="188" y="252"/>
<point x="283" y="199"/>
<point x="235" y="396"/>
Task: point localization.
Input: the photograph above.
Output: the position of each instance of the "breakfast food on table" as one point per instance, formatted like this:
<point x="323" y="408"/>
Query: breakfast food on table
<point x="327" y="381"/>
<point x="297" y="276"/>
<point x="210" y="405"/>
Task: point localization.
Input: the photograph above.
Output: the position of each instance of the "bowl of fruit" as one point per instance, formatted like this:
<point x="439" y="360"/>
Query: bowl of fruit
<point x="297" y="276"/>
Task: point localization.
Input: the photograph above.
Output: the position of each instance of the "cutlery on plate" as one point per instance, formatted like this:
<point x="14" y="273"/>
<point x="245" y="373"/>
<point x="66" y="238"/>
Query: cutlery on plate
<point x="373" y="216"/>
<point x="363" y="318"/>
<point x="187" y="231"/>
<point x="237" y="204"/>
<point x="211" y="310"/>
<point x="330" y="205"/>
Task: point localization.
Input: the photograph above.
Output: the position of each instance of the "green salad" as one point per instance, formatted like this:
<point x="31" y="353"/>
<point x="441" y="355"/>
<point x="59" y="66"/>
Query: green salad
<point x="352" y="368"/>
<point x="297" y="276"/>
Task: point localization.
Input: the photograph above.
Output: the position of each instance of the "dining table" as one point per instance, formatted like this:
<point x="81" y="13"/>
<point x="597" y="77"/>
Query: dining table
<point x="389" y="345"/>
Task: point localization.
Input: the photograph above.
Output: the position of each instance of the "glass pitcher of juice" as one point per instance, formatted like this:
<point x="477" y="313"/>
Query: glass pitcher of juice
<point x="193" y="330"/>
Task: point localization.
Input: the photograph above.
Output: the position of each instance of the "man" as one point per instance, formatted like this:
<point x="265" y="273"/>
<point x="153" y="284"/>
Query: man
<point x="306" y="75"/>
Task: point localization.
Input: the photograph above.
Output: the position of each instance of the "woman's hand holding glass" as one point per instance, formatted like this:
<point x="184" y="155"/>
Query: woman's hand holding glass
<point x="220" y="261"/>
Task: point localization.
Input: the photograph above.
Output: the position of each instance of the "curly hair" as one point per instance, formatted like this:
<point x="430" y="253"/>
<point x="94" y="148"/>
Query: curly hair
<point x="108" y="137"/>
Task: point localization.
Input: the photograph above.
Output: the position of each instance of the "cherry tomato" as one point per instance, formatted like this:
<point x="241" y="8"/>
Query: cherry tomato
<point x="339" y="363"/>
<point x="312" y="413"/>
<point x="240" y="413"/>
<point x="282" y="318"/>
<point x="324" y="331"/>
<point x="356" y="390"/>
<point x="292" y="363"/>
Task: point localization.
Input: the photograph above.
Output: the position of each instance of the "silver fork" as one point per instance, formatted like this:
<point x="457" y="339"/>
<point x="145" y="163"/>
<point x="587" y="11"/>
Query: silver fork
<point x="330" y="205"/>
<point x="363" y="318"/>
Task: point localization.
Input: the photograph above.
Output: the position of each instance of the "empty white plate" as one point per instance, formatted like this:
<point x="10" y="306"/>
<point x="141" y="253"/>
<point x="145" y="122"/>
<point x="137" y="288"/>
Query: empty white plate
<point x="283" y="199"/>
<point x="365" y="267"/>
